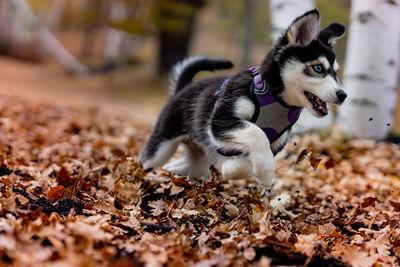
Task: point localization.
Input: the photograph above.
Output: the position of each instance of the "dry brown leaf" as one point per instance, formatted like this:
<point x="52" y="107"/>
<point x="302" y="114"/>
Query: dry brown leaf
<point x="175" y="190"/>
<point x="158" y="206"/>
<point x="369" y="201"/>
<point x="231" y="210"/>
<point x="171" y="222"/>
<point x="315" y="162"/>
<point x="64" y="179"/>
<point x="330" y="163"/>
<point x="302" y="155"/>
<point x="395" y="205"/>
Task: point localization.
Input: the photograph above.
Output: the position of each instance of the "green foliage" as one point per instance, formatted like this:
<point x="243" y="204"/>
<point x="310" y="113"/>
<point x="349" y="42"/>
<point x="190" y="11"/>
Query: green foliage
<point x="171" y="15"/>
<point x="229" y="16"/>
<point x="39" y="5"/>
<point x="338" y="10"/>
<point x="132" y="26"/>
<point x="156" y="15"/>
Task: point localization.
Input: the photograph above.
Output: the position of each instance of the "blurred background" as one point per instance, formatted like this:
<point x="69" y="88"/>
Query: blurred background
<point x="116" y="54"/>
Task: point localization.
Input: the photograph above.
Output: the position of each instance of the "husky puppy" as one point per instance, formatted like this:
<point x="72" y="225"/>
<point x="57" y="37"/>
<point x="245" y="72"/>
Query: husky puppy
<point x="240" y="122"/>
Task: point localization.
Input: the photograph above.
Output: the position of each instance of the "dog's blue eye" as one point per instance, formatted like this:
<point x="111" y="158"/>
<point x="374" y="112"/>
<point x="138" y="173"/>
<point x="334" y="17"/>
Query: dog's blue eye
<point x="318" y="68"/>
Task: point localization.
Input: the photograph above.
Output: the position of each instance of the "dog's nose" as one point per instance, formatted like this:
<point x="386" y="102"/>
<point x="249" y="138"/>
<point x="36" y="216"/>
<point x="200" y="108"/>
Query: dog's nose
<point x="341" y="94"/>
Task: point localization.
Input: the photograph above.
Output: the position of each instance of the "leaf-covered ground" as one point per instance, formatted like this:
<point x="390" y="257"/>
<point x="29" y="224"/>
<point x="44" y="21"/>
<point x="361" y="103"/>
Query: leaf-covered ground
<point x="73" y="194"/>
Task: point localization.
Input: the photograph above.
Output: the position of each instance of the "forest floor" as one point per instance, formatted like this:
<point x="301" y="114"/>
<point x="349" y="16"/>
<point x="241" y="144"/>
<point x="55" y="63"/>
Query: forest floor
<point x="73" y="194"/>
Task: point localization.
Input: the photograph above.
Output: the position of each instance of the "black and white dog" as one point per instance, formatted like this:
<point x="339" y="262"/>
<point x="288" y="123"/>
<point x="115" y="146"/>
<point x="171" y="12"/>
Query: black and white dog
<point x="239" y="123"/>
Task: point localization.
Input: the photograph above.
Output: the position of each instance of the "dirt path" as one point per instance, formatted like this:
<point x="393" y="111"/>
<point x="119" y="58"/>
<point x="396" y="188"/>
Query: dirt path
<point x="112" y="92"/>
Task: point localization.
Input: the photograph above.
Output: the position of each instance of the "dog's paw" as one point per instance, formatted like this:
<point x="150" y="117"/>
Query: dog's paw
<point x="266" y="178"/>
<point x="266" y="195"/>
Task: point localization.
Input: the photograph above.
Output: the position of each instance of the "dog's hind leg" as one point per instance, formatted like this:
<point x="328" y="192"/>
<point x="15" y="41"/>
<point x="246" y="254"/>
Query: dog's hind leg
<point x="157" y="153"/>
<point x="194" y="162"/>
<point x="167" y="134"/>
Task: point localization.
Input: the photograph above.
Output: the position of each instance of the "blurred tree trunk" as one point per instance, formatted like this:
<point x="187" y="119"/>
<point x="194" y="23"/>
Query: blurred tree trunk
<point x="46" y="39"/>
<point x="92" y="26"/>
<point x="15" y="40"/>
<point x="247" y="31"/>
<point x="114" y="38"/>
<point x="371" y="70"/>
<point x="174" y="42"/>
<point x="283" y="12"/>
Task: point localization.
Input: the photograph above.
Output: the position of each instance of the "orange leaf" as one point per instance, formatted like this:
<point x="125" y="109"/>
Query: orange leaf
<point x="6" y="182"/>
<point x="334" y="234"/>
<point x="56" y="193"/>
<point x="180" y="182"/>
<point x="213" y="204"/>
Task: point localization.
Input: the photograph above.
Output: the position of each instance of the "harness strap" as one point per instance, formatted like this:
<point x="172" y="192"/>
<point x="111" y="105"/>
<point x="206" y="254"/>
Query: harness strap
<point x="270" y="115"/>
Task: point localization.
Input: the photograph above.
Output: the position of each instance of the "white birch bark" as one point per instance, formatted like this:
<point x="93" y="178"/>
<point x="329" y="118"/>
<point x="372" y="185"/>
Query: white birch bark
<point x="12" y="31"/>
<point x="371" y="69"/>
<point x="283" y="12"/>
<point x="46" y="39"/>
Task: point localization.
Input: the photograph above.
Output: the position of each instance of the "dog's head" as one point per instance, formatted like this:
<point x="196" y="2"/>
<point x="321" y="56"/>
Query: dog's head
<point x="308" y="65"/>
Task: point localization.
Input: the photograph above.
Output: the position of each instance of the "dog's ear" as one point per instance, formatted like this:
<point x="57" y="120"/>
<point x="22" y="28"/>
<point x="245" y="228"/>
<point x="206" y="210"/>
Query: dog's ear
<point x="304" y="29"/>
<point x="331" y="33"/>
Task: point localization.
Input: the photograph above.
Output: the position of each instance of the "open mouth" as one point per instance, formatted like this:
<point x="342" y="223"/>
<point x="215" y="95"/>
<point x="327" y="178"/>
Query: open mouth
<point x="318" y="105"/>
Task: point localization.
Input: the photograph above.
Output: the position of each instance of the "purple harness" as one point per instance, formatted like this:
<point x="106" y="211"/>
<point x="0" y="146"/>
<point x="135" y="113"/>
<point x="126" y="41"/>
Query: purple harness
<point x="271" y="116"/>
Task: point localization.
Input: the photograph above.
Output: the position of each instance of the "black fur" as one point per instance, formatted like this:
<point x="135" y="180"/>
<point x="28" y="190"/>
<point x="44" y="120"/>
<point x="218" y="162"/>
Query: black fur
<point x="204" y="63"/>
<point x="332" y="31"/>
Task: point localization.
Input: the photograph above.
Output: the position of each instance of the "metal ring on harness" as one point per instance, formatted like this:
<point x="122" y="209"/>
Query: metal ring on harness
<point x="263" y="90"/>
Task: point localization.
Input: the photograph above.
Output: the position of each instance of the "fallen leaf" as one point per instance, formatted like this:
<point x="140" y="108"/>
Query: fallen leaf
<point x="158" y="206"/>
<point x="302" y="155"/>
<point x="395" y="205"/>
<point x="63" y="178"/>
<point x="315" y="162"/>
<point x="175" y="190"/>
<point x="231" y="210"/>
<point x="369" y="201"/>
<point x="330" y="163"/>
<point x="56" y="193"/>
<point x="180" y="182"/>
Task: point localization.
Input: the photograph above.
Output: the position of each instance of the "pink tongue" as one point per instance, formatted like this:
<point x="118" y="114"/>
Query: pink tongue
<point x="324" y="107"/>
<point x="321" y="103"/>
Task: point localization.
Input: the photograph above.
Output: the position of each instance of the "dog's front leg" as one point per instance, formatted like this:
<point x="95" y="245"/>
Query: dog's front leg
<point x="251" y="140"/>
<point x="260" y="154"/>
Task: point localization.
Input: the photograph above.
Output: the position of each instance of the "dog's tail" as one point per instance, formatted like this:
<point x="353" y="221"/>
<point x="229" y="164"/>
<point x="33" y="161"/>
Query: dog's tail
<point x="184" y="71"/>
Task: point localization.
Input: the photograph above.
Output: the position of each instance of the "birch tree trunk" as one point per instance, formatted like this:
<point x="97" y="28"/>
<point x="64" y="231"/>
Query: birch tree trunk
<point x="15" y="40"/>
<point x="371" y="69"/>
<point x="283" y="12"/>
<point x="46" y="39"/>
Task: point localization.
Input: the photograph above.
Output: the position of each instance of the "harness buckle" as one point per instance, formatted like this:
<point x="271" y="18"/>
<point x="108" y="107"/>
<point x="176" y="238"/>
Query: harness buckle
<point x="261" y="91"/>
